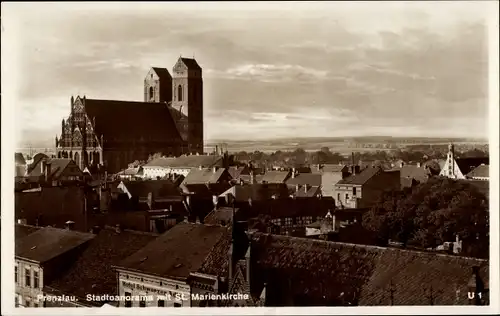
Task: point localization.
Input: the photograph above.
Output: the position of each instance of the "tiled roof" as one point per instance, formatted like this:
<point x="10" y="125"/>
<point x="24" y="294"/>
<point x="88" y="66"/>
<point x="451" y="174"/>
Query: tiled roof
<point x="362" y="177"/>
<point x="22" y="231"/>
<point x="481" y="171"/>
<point x="221" y="214"/>
<point x="151" y="121"/>
<point x="176" y="253"/>
<point x="159" y="188"/>
<point x="48" y="243"/>
<point x="162" y="73"/>
<point x="161" y="162"/>
<point x="197" y="176"/>
<point x="257" y="191"/>
<point x="467" y="164"/>
<point x="19" y="159"/>
<point x="329" y="168"/>
<point x="188" y="161"/>
<point x="216" y="263"/>
<point x="57" y="167"/>
<point x="275" y="177"/>
<point x="204" y="189"/>
<point x="421" y="174"/>
<point x="281" y="208"/>
<point x="36" y="159"/>
<point x="93" y="273"/>
<point x="235" y="172"/>
<point x="327" y="273"/>
<point x="313" y="179"/>
<point x="246" y="178"/>
<point x="130" y="171"/>
<point x="191" y="63"/>
<point x="311" y="191"/>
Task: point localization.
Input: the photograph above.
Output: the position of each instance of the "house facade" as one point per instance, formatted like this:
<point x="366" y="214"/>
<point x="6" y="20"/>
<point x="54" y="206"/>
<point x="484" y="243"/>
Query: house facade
<point x="363" y="189"/>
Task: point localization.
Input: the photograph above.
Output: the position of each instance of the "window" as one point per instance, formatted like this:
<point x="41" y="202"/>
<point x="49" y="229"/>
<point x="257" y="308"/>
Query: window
<point x="161" y="303"/>
<point x="17" y="301"/>
<point x="35" y="279"/>
<point x="128" y="302"/>
<point x="27" y="277"/>
<point x="28" y="303"/>
<point x="151" y="93"/>
<point x="35" y="304"/>
<point x="177" y="305"/>
<point x="288" y="221"/>
<point x="346" y="197"/>
<point x="179" y="93"/>
<point x="354" y="191"/>
<point x="15" y="275"/>
<point x="142" y="303"/>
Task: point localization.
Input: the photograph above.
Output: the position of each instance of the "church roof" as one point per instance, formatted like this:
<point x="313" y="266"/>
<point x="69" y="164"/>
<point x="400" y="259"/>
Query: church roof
<point x="162" y="73"/>
<point x="114" y="119"/>
<point x="480" y="171"/>
<point x="191" y="63"/>
<point x="467" y="164"/>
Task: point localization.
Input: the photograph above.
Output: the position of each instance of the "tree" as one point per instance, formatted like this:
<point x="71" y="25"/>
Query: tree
<point x="154" y="156"/>
<point x="433" y="213"/>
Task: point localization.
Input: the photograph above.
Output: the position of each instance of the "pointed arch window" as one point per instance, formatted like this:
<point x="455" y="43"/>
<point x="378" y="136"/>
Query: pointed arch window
<point x="151" y="94"/>
<point x="179" y="93"/>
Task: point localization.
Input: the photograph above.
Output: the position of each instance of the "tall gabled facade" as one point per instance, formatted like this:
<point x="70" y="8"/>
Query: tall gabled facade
<point x="112" y="134"/>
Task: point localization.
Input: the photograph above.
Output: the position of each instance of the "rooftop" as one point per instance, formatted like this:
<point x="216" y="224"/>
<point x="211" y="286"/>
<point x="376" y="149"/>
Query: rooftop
<point x="176" y="253"/>
<point x="481" y="171"/>
<point x="48" y="243"/>
<point x="187" y="161"/>
<point x="203" y="176"/>
<point x="275" y="176"/>
<point x="313" y="179"/>
<point x="330" y="273"/>
<point x="93" y="273"/>
<point x="362" y="177"/>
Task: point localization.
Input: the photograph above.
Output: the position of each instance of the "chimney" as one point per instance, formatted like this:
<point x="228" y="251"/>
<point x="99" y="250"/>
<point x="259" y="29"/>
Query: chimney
<point x="306" y="188"/>
<point x="215" y="200"/>
<point x="118" y="228"/>
<point x="418" y="165"/>
<point x="150" y="200"/>
<point x="70" y="225"/>
<point x="200" y="167"/>
<point x="319" y="167"/>
<point x="401" y="164"/>
<point x="48" y="170"/>
<point x="214" y="169"/>
<point x="42" y="166"/>
<point x="296" y="188"/>
<point x="252" y="177"/>
<point x="293" y="172"/>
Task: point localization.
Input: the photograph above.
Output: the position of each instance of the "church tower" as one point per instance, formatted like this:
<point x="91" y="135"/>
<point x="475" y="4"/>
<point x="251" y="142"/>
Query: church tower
<point x="158" y="86"/>
<point x="187" y="98"/>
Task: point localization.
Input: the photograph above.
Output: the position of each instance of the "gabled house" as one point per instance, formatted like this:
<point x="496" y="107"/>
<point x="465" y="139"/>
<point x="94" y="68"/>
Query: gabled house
<point x="305" y="184"/>
<point x="330" y="175"/>
<point x="162" y="269"/>
<point x="41" y="255"/>
<point x="363" y="189"/>
<point x="54" y="171"/>
<point x="481" y="172"/>
<point x="458" y="168"/>
<point x="184" y="164"/>
<point x="92" y="273"/>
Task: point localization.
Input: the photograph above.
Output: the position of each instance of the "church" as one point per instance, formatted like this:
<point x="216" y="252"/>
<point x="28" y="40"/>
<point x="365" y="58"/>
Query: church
<point x="110" y="134"/>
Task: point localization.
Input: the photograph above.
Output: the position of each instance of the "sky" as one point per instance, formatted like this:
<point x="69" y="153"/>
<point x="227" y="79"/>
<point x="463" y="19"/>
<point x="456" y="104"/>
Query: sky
<point x="270" y="69"/>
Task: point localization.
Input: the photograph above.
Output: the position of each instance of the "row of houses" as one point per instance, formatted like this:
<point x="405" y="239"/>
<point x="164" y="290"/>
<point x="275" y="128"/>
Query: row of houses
<point x="196" y="264"/>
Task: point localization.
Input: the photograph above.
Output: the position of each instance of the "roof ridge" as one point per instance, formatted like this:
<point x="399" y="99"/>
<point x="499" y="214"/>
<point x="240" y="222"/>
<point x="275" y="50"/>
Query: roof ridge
<point x="372" y="247"/>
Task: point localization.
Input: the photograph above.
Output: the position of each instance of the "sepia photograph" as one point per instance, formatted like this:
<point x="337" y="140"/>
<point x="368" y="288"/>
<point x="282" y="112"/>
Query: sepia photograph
<point x="250" y="157"/>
